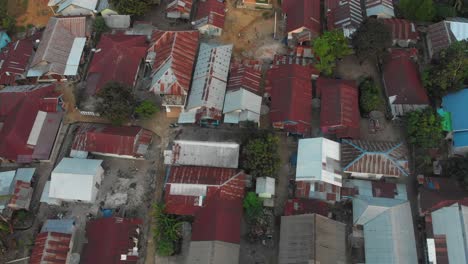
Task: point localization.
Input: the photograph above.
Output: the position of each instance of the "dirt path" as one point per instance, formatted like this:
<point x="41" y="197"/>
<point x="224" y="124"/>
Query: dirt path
<point x="30" y="12"/>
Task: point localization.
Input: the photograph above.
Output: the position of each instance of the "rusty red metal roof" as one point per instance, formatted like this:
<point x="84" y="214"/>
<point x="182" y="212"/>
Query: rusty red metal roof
<point x="119" y="140"/>
<point x="306" y="206"/>
<point x="109" y="239"/>
<point x="402" y="29"/>
<point x="339" y="112"/>
<point x="302" y="13"/>
<point x="181" y="6"/>
<point x="290" y="87"/>
<point x="213" y="11"/>
<point x="51" y="247"/>
<point x="220" y="220"/>
<point x="225" y="183"/>
<point x="178" y="49"/>
<point x="401" y="78"/>
<point x="117" y="58"/>
<point x="245" y="74"/>
<point x="20" y="103"/>
<point x="14" y="60"/>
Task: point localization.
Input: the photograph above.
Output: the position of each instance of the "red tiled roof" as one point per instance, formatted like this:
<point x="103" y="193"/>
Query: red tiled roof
<point x="306" y="206"/>
<point x="179" y="48"/>
<point x="402" y="29"/>
<point x="290" y="87"/>
<point x="118" y="60"/>
<point x="245" y="74"/>
<point x="213" y="10"/>
<point x="50" y="247"/>
<point x="15" y="59"/>
<point x="225" y="183"/>
<point x="108" y="239"/>
<point x="220" y="220"/>
<point x="119" y="140"/>
<point x="339" y="112"/>
<point x="401" y="78"/>
<point x="20" y="105"/>
<point x="302" y="13"/>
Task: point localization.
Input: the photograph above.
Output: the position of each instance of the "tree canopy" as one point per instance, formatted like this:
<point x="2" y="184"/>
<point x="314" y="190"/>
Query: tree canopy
<point x="116" y="102"/>
<point x="419" y="10"/>
<point x="99" y="27"/>
<point x="132" y="7"/>
<point x="329" y="47"/>
<point x="424" y="128"/>
<point x="457" y="167"/>
<point x="146" y="109"/>
<point x="260" y="155"/>
<point x="448" y="71"/>
<point x="369" y="96"/>
<point x="167" y="233"/>
<point x="371" y="40"/>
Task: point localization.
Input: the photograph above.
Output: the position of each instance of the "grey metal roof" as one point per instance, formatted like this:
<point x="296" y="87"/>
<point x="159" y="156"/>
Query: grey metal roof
<point x="311" y="238"/>
<point x="213" y="252"/>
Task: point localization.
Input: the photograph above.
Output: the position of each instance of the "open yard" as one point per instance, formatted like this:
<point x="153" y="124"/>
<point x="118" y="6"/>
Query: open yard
<point x="30" y="12"/>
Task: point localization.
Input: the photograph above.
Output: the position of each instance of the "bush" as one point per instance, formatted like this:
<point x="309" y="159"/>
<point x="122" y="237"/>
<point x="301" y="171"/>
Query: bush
<point x="146" y="109"/>
<point x="167" y="232"/>
<point x="99" y="27"/>
<point x="369" y="96"/>
<point x="253" y="206"/>
<point x="260" y="155"/>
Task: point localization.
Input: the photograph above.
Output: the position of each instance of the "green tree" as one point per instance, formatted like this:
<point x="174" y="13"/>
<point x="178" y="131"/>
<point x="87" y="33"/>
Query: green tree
<point x="448" y="71"/>
<point x="329" y="47"/>
<point x="167" y="232"/>
<point x="369" y="96"/>
<point x="132" y="7"/>
<point x="116" y="102"/>
<point x="99" y="27"/>
<point x="253" y="206"/>
<point x="424" y="128"/>
<point x="261" y="156"/>
<point x="457" y="167"/>
<point x="146" y="109"/>
<point x="371" y="40"/>
<point x="419" y="10"/>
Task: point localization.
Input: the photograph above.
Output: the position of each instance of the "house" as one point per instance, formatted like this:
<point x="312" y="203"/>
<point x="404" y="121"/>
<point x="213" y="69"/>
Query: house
<point x="76" y="180"/>
<point x="437" y="192"/>
<point x="345" y="15"/>
<point x="387" y="227"/>
<point x="14" y="61"/>
<point x="58" y="56"/>
<point x="300" y="206"/>
<point x="290" y="88"/>
<point x="54" y="242"/>
<point x="112" y="240"/>
<point x="380" y="8"/>
<point x="179" y="9"/>
<point x="210" y="17"/>
<point x="339" y="113"/>
<point x="311" y="238"/>
<point x="73" y="7"/>
<point x="240" y="106"/>
<point x="403" y="32"/>
<point x="39" y="109"/>
<point x="374" y="159"/>
<point x="255" y="4"/>
<point x="303" y="19"/>
<point x="203" y="153"/>
<point x="245" y="74"/>
<point x="440" y="35"/>
<point x="455" y="104"/>
<point x="265" y="187"/>
<point x="402" y="82"/>
<point x="4" y="39"/>
<point x="15" y="189"/>
<point x="446" y="229"/>
<point x="189" y="188"/>
<point x="117" y="59"/>
<point x="318" y="172"/>
<point x="115" y="141"/>
<point x="171" y="57"/>
<point x="353" y="187"/>
<point x="216" y="233"/>
<point x="206" y="98"/>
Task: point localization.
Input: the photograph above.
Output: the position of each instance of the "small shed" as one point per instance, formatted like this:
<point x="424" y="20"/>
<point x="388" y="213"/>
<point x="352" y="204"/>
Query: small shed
<point x="265" y="187"/>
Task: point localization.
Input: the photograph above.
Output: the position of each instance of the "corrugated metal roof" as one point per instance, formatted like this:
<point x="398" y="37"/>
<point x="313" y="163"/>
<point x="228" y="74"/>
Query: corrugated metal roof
<point x="211" y="12"/>
<point x="213" y="252"/>
<point x="78" y="166"/>
<point x="318" y="159"/>
<point x="64" y="226"/>
<point x="345" y="15"/>
<point x="37" y="127"/>
<point x="379" y="8"/>
<point x="6" y="181"/>
<point x="202" y="153"/>
<point x="402" y="29"/>
<point x="303" y="13"/>
<point x="87" y="4"/>
<point x="306" y="206"/>
<point x="25" y="174"/>
<point x="179" y="9"/>
<point x="45" y="196"/>
<point x="14" y="60"/>
<point x="374" y="189"/>
<point x="51" y="247"/>
<point x="118" y="21"/>
<point x="311" y="238"/>
<point x="243" y="103"/>
<point x="47" y="136"/>
<point x="246" y="74"/>
<point x="73" y="61"/>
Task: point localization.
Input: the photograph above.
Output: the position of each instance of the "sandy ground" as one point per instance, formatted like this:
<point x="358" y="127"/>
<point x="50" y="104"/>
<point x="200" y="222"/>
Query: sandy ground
<point x="37" y="12"/>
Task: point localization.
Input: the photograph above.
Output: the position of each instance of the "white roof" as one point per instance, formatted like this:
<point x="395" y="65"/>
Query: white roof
<point x="241" y="105"/>
<point x="45" y="196"/>
<point x="73" y="61"/>
<point x="87" y="4"/>
<point x="202" y="153"/>
<point x="210" y="77"/>
<point x="265" y="185"/>
<point x="318" y="159"/>
<point x="459" y="29"/>
<point x="78" y="166"/>
<point x="37" y="127"/>
<point x="117" y="21"/>
<point x="187" y="117"/>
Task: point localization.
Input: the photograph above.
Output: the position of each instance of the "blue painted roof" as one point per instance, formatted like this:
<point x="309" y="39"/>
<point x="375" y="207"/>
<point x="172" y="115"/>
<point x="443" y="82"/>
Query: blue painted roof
<point x="6" y="180"/>
<point x="4" y="39"/>
<point x="460" y="139"/>
<point x="24" y="174"/>
<point x="456" y="104"/>
<point x="64" y="226"/>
